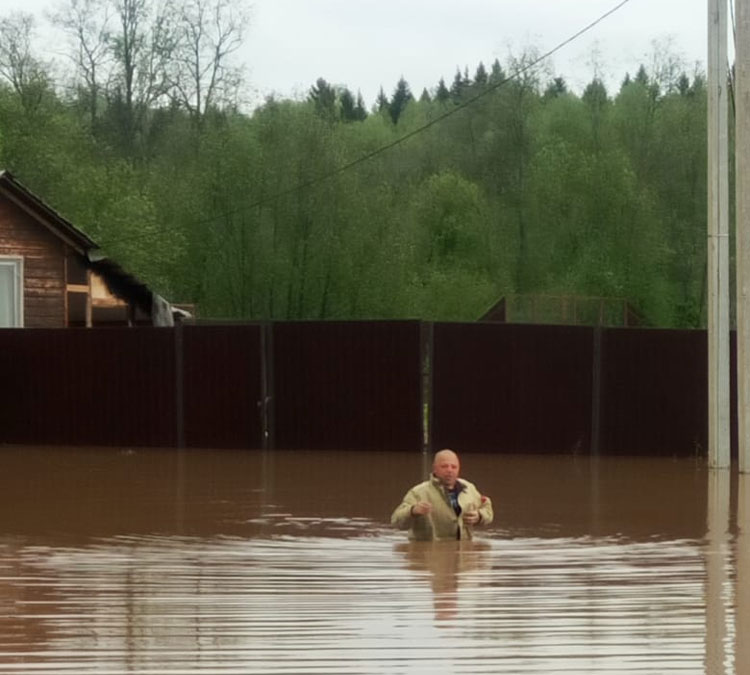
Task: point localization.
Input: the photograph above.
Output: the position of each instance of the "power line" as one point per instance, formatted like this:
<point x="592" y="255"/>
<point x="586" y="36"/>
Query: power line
<point x="303" y="185"/>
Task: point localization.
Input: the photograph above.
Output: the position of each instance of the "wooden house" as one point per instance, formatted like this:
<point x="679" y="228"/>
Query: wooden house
<point x="52" y="275"/>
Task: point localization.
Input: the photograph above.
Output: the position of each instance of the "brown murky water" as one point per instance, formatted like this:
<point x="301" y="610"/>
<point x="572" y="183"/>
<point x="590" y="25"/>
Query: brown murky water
<point x="246" y="562"/>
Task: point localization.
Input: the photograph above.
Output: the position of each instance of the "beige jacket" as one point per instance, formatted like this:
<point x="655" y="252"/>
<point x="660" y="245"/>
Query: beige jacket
<point x="442" y="522"/>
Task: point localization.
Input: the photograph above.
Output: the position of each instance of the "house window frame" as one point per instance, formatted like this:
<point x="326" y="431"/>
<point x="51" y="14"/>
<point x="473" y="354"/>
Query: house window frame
<point x="15" y="262"/>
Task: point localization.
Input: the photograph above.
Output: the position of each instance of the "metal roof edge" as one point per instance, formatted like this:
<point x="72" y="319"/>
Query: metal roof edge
<point x="45" y="214"/>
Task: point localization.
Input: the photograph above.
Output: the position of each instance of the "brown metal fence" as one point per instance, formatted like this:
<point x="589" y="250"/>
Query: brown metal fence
<point x="321" y="385"/>
<point x="512" y="388"/>
<point x="347" y="385"/>
<point x="87" y="387"/>
<point x="654" y="392"/>
<point x="222" y="385"/>
<point x="360" y="385"/>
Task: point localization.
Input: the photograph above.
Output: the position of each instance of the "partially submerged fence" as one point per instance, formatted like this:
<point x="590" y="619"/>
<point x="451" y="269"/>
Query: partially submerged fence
<point x="359" y="386"/>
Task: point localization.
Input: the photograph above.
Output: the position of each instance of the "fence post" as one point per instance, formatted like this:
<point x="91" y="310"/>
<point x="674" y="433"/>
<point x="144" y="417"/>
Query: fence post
<point x="179" y="381"/>
<point x="266" y="404"/>
<point x="596" y="390"/>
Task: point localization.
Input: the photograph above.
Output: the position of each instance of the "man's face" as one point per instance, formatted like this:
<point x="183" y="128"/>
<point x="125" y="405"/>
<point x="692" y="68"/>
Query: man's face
<point x="446" y="467"/>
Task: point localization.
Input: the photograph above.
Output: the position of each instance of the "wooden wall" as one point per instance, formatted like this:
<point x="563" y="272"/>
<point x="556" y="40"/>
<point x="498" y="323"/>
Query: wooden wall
<point x="43" y="265"/>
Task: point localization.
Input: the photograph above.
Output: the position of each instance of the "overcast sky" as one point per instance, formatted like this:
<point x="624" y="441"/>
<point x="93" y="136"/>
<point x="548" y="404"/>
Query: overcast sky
<point x="366" y="44"/>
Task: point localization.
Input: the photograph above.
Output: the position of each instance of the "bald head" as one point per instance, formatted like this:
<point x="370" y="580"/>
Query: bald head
<point x="446" y="466"/>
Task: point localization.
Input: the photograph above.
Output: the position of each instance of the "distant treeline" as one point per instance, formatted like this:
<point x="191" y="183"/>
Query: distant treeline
<point x="301" y="210"/>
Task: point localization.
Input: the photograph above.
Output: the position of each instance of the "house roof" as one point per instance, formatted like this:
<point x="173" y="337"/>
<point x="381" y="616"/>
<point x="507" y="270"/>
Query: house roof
<point x="45" y="214"/>
<point x="120" y="283"/>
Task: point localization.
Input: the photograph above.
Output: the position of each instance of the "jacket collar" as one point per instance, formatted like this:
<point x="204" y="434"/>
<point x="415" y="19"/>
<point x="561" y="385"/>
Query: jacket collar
<point x="460" y="486"/>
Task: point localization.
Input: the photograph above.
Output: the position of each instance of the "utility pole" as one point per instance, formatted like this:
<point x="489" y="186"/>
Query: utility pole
<point x="718" y="239"/>
<point x="742" y="146"/>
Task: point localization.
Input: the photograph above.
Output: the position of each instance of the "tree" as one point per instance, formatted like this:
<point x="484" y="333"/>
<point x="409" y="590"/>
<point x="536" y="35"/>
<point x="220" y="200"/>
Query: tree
<point x="480" y="76"/>
<point x="556" y="88"/>
<point x="461" y="83"/>
<point x="142" y="48"/>
<point x="381" y="102"/>
<point x="360" y="112"/>
<point x="208" y="32"/>
<point x="442" y="94"/>
<point x="86" y="22"/>
<point x="18" y="65"/>
<point x="595" y="97"/>
<point x="497" y="74"/>
<point x="451" y="248"/>
<point x="346" y="101"/>
<point x="351" y="110"/>
<point x="683" y="84"/>
<point x="323" y="96"/>
<point x="401" y="97"/>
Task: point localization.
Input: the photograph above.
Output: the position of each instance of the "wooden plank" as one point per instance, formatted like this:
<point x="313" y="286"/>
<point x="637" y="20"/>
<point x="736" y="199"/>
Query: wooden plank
<point x="44" y="265"/>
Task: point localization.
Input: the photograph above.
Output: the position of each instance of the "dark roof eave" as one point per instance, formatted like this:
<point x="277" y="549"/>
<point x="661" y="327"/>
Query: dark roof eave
<point x="122" y="284"/>
<point x="46" y="215"/>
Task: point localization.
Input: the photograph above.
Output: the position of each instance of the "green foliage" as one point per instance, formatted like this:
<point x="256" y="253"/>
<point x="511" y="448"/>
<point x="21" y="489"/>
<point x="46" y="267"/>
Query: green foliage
<point x="480" y="76"/>
<point x="323" y="96"/>
<point x="402" y="96"/>
<point x="461" y="84"/>
<point x="531" y="188"/>
<point x="441" y="93"/>
<point x="556" y="88"/>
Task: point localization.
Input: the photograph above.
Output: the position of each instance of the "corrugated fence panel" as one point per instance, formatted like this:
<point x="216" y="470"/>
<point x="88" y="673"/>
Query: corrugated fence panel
<point x="347" y="385"/>
<point x="512" y="388"/>
<point x="222" y="386"/>
<point x="351" y="385"/>
<point x="88" y="387"/>
<point x="654" y="392"/>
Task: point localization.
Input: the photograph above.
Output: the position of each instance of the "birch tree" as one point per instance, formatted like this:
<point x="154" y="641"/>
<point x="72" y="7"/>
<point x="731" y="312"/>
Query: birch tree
<point x="208" y="33"/>
<point x="18" y="65"/>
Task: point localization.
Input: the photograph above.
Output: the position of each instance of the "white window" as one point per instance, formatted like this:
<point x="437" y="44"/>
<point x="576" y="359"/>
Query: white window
<point x="11" y="292"/>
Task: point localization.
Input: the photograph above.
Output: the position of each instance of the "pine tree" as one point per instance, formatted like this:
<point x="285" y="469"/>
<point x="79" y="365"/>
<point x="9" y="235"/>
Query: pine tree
<point x="641" y="77"/>
<point x="457" y="88"/>
<point x="425" y="97"/>
<point x="400" y="99"/>
<point x="497" y="74"/>
<point x="480" y="77"/>
<point x="556" y="88"/>
<point x="348" y="107"/>
<point x="683" y="85"/>
<point x="381" y="102"/>
<point x="360" y="112"/>
<point x="442" y="94"/>
<point x="595" y="94"/>
<point x="323" y="95"/>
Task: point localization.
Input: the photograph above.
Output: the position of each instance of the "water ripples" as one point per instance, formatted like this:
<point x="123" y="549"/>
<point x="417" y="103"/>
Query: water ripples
<point x="234" y="563"/>
<point x="376" y="604"/>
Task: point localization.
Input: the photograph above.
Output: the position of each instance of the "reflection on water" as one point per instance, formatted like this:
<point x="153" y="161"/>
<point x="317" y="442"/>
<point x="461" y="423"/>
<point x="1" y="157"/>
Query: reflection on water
<point x="224" y="562"/>
<point x="443" y="562"/>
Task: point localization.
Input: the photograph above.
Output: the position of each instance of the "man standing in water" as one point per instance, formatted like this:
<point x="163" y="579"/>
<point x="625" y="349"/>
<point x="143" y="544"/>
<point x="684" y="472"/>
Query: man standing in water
<point x="444" y="506"/>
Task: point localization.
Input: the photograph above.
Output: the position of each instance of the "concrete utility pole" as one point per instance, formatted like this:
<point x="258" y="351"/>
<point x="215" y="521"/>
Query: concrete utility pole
<point x="742" y="154"/>
<point x="718" y="239"/>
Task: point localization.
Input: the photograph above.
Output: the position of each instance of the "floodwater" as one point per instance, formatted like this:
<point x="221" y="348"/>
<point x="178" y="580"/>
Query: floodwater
<point x="165" y="561"/>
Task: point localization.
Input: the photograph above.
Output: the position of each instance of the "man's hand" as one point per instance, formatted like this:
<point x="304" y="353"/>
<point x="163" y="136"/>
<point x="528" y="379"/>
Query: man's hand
<point x="421" y="509"/>
<point x="471" y="517"/>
